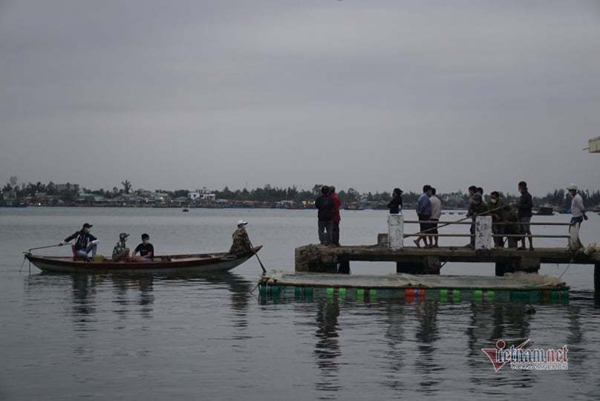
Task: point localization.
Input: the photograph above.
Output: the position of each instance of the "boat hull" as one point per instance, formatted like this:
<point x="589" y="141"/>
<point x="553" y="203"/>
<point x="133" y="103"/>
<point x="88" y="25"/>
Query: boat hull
<point x="215" y="263"/>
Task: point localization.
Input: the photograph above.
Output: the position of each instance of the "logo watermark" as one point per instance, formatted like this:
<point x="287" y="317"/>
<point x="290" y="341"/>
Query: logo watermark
<point x="521" y="358"/>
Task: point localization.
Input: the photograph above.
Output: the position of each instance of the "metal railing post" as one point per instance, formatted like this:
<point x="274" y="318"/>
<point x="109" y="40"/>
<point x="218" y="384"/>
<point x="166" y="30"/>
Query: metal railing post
<point x="396" y="231"/>
<point x="483" y="232"/>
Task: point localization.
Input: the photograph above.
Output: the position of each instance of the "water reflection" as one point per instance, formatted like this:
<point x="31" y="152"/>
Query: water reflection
<point x="133" y="294"/>
<point x="327" y="349"/>
<point x="426" y="336"/>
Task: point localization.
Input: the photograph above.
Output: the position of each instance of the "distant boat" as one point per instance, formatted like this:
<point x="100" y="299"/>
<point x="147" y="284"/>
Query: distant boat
<point x="545" y="211"/>
<point x="185" y="210"/>
<point x="197" y="263"/>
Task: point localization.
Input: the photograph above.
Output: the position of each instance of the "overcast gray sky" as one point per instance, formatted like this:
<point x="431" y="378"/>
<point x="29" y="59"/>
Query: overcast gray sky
<point x="365" y="93"/>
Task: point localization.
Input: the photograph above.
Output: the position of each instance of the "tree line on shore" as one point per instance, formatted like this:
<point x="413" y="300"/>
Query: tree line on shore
<point x="68" y="193"/>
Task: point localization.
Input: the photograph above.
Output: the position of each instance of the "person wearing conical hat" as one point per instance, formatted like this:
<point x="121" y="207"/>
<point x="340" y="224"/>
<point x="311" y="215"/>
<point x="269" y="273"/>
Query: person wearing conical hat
<point x="120" y="251"/>
<point x="241" y="241"/>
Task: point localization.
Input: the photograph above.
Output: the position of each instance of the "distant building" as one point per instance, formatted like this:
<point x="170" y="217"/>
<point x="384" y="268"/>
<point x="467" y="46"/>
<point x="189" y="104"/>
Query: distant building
<point x="202" y="194"/>
<point x="594" y="145"/>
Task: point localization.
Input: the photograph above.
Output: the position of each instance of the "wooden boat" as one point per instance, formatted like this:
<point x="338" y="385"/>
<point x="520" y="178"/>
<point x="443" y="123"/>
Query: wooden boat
<point x="545" y="211"/>
<point x="197" y="263"/>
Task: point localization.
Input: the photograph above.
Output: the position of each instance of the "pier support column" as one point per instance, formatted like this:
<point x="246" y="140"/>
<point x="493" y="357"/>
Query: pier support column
<point x="424" y="265"/>
<point x="432" y="265"/>
<point x="504" y="266"/>
<point x="528" y="265"/>
<point x="316" y="259"/>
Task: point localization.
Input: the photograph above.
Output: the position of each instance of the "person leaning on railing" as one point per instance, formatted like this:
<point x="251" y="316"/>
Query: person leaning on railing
<point x="496" y="207"/>
<point x="476" y="208"/>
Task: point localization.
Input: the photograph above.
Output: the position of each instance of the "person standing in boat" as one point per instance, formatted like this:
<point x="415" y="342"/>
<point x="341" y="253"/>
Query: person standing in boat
<point x="241" y="242"/>
<point x="395" y="204"/>
<point x="85" y="243"/>
<point x="145" y="249"/>
<point x="120" y="251"/>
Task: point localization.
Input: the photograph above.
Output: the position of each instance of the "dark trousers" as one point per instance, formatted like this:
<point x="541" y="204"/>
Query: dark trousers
<point x="336" y="233"/>
<point x="325" y="232"/>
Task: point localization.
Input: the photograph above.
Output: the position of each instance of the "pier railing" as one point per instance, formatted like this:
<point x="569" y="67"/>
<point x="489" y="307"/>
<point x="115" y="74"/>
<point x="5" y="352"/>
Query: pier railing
<point x="483" y="233"/>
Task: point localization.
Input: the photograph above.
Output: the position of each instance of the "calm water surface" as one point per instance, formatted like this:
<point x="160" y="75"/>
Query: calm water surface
<point x="158" y="337"/>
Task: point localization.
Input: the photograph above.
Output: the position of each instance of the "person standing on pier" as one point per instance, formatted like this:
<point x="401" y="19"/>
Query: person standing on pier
<point x="395" y="205"/>
<point x="325" y="205"/>
<point x="577" y="207"/>
<point x="478" y="207"/>
<point x="497" y="211"/>
<point x="424" y="213"/>
<point x="337" y="218"/>
<point x="436" y="213"/>
<point x="525" y="208"/>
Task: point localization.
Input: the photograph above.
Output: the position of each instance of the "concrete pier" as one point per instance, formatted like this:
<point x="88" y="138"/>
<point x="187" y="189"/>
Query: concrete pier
<point x="324" y="259"/>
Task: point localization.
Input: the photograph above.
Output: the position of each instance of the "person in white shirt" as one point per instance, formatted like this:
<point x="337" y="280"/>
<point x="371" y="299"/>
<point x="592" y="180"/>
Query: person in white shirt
<point x="436" y="212"/>
<point x="577" y="208"/>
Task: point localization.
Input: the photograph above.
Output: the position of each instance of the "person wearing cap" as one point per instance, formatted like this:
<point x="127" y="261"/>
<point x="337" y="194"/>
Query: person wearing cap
<point x="241" y="241"/>
<point x="577" y="207"/>
<point x="477" y="208"/>
<point x="525" y="210"/>
<point x="120" y="251"/>
<point x="84" y="243"/>
<point x="395" y="205"/>
<point x="145" y="249"/>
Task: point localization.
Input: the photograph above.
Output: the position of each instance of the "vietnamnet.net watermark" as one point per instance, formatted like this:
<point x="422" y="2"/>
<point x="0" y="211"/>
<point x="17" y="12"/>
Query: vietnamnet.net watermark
<point x="521" y="358"/>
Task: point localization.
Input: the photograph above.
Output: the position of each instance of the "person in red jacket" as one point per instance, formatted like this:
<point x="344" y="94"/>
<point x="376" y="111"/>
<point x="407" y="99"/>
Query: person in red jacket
<point x="337" y="205"/>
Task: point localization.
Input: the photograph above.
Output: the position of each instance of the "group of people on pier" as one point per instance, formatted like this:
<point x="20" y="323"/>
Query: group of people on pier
<point x="511" y="224"/>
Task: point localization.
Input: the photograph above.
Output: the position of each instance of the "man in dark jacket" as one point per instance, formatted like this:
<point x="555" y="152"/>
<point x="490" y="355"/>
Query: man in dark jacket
<point x="497" y="211"/>
<point x="525" y="210"/>
<point x="337" y="217"/>
<point x="84" y="243"/>
<point x="395" y="204"/>
<point x="326" y="206"/>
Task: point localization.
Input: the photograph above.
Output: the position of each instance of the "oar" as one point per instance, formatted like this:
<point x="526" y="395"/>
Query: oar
<point x="456" y="221"/>
<point x="257" y="257"/>
<point x="44" y="247"/>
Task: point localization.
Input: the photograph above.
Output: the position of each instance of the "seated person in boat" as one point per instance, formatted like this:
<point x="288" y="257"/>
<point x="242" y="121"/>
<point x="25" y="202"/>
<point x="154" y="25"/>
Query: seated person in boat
<point x="241" y="241"/>
<point x="145" y="249"/>
<point x="120" y="251"/>
<point x="85" y="243"/>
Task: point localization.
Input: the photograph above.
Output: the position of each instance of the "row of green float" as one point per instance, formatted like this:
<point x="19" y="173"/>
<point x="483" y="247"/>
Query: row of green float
<point x="299" y="293"/>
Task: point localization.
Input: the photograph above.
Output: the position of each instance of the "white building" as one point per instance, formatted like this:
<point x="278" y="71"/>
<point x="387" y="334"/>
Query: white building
<point x="594" y="145"/>
<point x="202" y="194"/>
